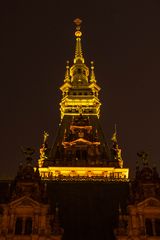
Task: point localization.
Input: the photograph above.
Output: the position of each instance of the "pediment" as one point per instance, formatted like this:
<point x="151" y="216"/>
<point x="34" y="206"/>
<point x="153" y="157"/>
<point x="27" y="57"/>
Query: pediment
<point x="149" y="202"/>
<point x="81" y="140"/>
<point x="24" y="201"/>
<point x="78" y="141"/>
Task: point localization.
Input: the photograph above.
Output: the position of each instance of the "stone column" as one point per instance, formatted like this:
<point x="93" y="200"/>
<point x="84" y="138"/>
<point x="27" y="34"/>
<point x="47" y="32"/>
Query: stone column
<point x="23" y="225"/>
<point x="11" y="225"/>
<point x="134" y="223"/>
<point x="35" y="224"/>
<point x="142" y="226"/>
<point x="4" y="222"/>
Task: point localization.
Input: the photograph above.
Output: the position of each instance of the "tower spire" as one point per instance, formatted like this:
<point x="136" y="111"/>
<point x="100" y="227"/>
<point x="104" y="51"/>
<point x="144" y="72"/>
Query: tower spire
<point x="67" y="75"/>
<point x="78" y="51"/>
<point x="93" y="78"/>
<point x="80" y="142"/>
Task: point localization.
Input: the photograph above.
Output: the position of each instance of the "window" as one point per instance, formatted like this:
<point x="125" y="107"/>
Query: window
<point x="18" y="226"/>
<point x="148" y="226"/>
<point x="157" y="227"/>
<point x="28" y="226"/>
<point x="23" y="226"/>
<point x="84" y="155"/>
<point x="78" y="154"/>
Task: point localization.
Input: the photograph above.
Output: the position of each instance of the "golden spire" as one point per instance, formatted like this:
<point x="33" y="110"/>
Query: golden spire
<point x="78" y="34"/>
<point x="67" y="75"/>
<point x="93" y="79"/>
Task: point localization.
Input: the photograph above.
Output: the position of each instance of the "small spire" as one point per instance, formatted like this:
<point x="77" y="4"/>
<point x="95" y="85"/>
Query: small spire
<point x="78" y="34"/>
<point x="93" y="79"/>
<point x="67" y="75"/>
<point x="114" y="136"/>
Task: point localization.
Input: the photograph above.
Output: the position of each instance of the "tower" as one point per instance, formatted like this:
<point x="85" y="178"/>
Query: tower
<point x="26" y="212"/>
<point x="80" y="149"/>
<point x="142" y="219"/>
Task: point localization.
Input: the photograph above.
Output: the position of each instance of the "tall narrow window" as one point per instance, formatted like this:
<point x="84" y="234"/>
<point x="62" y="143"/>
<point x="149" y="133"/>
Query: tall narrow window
<point x="78" y="154"/>
<point x="148" y="225"/>
<point x="18" y="226"/>
<point x="28" y="226"/>
<point x="157" y="226"/>
<point x="84" y="155"/>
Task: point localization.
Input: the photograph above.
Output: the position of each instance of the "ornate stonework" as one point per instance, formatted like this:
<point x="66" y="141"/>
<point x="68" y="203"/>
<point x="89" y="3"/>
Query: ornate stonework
<point x="80" y="148"/>
<point x="27" y="214"/>
<point x="142" y="220"/>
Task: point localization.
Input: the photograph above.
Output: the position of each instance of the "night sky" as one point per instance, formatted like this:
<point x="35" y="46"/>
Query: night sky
<point x="37" y="38"/>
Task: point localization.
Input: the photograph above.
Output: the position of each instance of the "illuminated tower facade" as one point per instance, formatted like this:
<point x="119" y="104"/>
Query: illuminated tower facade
<point x="80" y="149"/>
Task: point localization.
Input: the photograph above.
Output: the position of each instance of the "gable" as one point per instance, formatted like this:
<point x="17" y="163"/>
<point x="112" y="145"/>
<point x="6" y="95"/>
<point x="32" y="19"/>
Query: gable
<point x="149" y="202"/>
<point x="24" y="201"/>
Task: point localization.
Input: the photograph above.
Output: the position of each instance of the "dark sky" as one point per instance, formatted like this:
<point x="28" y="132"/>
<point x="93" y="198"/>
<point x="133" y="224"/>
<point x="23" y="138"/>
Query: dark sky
<point x="37" y="37"/>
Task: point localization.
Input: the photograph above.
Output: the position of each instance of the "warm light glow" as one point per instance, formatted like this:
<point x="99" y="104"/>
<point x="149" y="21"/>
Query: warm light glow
<point x="87" y="172"/>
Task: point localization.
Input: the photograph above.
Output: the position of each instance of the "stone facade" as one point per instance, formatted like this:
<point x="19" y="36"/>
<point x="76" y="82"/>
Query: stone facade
<point x="26" y="214"/>
<point x="142" y="220"/>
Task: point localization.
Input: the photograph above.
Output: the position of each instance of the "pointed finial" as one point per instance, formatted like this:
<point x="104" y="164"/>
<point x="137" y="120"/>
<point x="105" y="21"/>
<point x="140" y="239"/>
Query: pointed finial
<point x="67" y="66"/>
<point x="78" y="34"/>
<point x="92" y="65"/>
<point x="67" y="75"/>
<point x="93" y="79"/>
<point x="78" y="22"/>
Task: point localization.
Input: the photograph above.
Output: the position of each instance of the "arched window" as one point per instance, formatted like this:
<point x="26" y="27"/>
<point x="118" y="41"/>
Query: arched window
<point x="148" y="226"/>
<point x="28" y="226"/>
<point x="18" y="226"/>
